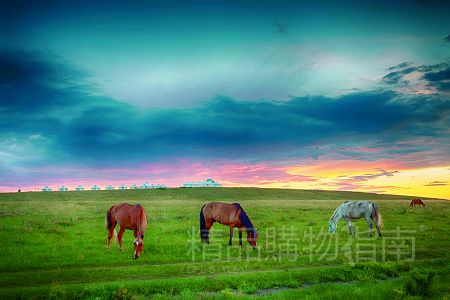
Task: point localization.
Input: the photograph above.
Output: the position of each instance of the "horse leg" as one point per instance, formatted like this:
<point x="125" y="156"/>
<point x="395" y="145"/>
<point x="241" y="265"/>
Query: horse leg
<point x="370" y="225"/>
<point x="208" y="225"/>
<point x="241" y="229"/>
<point x="350" y="227"/>
<point x="231" y="235"/>
<point x="119" y="237"/>
<point x="110" y="235"/>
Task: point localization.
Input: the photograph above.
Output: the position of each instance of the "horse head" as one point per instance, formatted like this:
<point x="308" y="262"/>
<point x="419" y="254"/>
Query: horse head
<point x="332" y="226"/>
<point x="252" y="237"/>
<point x="138" y="245"/>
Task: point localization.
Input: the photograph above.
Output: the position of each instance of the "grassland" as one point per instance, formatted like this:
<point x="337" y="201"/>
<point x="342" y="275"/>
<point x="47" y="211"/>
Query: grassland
<point x="53" y="246"/>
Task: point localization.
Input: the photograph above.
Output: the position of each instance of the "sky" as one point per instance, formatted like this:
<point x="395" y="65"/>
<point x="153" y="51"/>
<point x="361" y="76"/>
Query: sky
<point x="348" y="95"/>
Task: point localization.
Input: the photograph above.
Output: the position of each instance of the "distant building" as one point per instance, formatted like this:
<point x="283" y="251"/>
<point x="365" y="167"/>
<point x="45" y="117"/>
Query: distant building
<point x="109" y="188"/>
<point x="146" y="185"/>
<point x="122" y="187"/>
<point x="95" y="188"/>
<point x="79" y="188"/>
<point x="133" y="187"/>
<point x="208" y="183"/>
<point x="46" y="189"/>
<point x="63" y="189"/>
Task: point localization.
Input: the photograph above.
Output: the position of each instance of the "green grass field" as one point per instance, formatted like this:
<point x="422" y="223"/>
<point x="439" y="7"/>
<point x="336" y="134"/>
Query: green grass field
<point x="53" y="246"/>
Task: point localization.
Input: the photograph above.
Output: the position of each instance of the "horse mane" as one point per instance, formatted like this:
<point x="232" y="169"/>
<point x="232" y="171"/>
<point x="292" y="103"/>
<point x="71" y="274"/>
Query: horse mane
<point x="338" y="209"/>
<point x="141" y="219"/>
<point x="244" y="218"/>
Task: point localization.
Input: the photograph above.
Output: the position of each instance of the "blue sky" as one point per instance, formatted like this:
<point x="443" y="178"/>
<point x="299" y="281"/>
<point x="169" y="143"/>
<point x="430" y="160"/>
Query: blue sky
<point x="89" y="86"/>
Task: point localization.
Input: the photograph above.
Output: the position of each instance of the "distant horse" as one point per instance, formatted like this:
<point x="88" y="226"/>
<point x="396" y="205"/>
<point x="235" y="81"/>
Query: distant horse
<point x="128" y="217"/>
<point x="416" y="201"/>
<point x="232" y="215"/>
<point x="354" y="210"/>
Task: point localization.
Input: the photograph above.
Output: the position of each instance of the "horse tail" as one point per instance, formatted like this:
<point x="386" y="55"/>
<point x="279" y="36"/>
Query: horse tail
<point x="376" y="214"/>
<point x="203" y="230"/>
<point x="108" y="223"/>
<point x="108" y="219"/>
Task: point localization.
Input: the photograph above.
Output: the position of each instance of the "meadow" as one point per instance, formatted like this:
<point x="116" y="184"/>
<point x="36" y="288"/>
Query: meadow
<point x="53" y="246"/>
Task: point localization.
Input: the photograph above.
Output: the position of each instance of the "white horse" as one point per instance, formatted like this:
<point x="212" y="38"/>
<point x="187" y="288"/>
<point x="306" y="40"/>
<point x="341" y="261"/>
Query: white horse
<point x="355" y="210"/>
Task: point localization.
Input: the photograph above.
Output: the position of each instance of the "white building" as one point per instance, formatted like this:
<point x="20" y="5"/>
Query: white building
<point x="208" y="183"/>
<point x="63" y="189"/>
<point x="133" y="187"/>
<point x="122" y="187"/>
<point x="109" y="188"/>
<point x="46" y="189"/>
<point x="95" y="188"/>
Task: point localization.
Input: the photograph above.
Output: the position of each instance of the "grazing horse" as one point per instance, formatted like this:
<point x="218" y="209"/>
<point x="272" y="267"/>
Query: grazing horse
<point x="128" y="217"/>
<point x="232" y="215"/>
<point x="354" y="210"/>
<point x="416" y="201"/>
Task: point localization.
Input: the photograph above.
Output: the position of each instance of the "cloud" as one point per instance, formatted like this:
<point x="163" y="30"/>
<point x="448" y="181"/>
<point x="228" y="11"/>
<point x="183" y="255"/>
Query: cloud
<point x="397" y="77"/>
<point x="380" y="173"/>
<point x="447" y="39"/>
<point x="437" y="183"/>
<point x="434" y="78"/>
<point x="438" y="76"/>
<point x="281" y="28"/>
<point x="48" y="108"/>
<point x="399" y="66"/>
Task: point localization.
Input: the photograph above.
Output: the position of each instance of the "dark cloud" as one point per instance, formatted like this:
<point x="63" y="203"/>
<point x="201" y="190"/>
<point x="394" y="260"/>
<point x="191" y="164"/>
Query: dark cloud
<point x="380" y="173"/>
<point x="37" y="81"/>
<point x="447" y="39"/>
<point x="49" y="101"/>
<point x="437" y="183"/>
<point x="437" y="75"/>
<point x="399" y="66"/>
<point x="397" y="77"/>
<point x="281" y="28"/>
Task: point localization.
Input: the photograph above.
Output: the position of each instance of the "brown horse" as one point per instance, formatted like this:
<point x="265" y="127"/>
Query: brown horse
<point x="128" y="217"/>
<point x="416" y="201"/>
<point x="232" y="215"/>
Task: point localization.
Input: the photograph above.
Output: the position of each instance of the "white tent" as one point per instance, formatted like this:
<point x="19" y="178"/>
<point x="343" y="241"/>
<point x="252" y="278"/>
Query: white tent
<point x="146" y="185"/>
<point x="79" y="188"/>
<point x="46" y="189"/>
